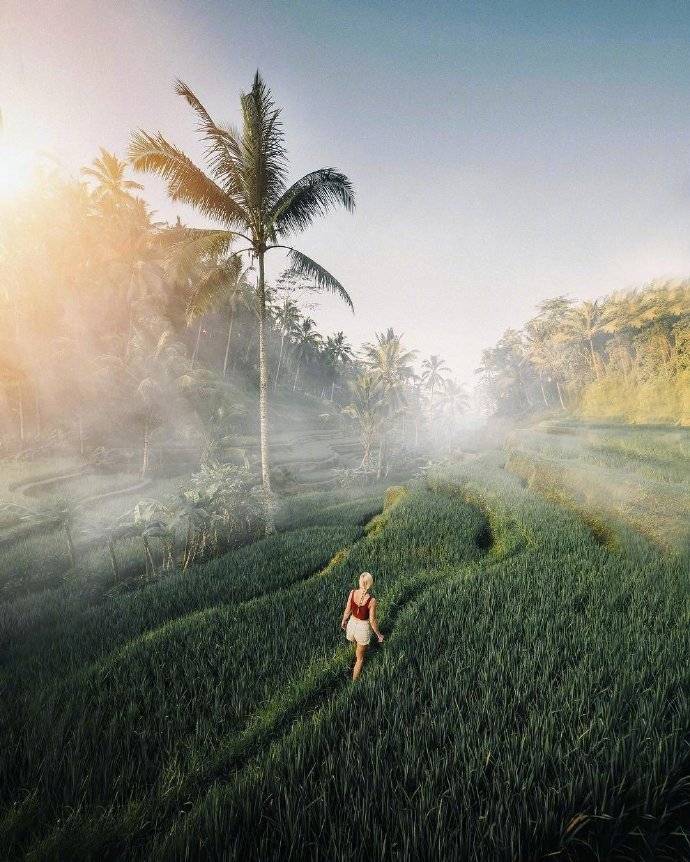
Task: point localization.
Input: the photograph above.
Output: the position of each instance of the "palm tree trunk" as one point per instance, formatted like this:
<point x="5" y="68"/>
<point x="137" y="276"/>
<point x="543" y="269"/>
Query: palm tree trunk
<point x="227" y="345"/>
<point x="263" y="401"/>
<point x="294" y="385"/>
<point x="332" y="390"/>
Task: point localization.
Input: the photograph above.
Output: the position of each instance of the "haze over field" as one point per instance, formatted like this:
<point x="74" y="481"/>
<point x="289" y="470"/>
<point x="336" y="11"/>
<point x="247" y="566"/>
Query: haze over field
<point x="502" y="154"/>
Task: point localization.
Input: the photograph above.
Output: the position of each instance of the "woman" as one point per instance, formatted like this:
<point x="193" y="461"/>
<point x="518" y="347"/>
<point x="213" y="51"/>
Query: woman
<point x="359" y="619"/>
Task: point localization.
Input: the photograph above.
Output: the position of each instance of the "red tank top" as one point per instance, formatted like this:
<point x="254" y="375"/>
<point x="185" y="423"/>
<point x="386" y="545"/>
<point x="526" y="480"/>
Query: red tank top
<point x="360" y="612"/>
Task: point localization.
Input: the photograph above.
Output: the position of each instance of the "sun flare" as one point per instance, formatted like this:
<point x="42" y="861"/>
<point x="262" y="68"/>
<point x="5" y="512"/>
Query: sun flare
<point x="15" y="170"/>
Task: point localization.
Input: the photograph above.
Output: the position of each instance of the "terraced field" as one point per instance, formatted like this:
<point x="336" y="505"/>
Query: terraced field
<point x="31" y="561"/>
<point x="530" y="700"/>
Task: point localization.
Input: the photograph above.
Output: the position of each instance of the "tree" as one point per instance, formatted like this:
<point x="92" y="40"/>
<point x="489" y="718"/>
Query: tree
<point x="112" y="188"/>
<point x="287" y="317"/>
<point x="433" y="370"/>
<point x="391" y="365"/>
<point x="338" y="353"/>
<point x="221" y="284"/>
<point x="307" y="340"/>
<point x="246" y="193"/>
<point x="583" y="324"/>
<point x="367" y="409"/>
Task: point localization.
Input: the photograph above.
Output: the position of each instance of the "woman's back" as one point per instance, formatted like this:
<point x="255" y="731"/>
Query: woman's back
<point x="360" y="602"/>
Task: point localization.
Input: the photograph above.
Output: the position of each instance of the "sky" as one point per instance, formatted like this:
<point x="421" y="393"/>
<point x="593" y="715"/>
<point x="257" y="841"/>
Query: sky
<point x="502" y="152"/>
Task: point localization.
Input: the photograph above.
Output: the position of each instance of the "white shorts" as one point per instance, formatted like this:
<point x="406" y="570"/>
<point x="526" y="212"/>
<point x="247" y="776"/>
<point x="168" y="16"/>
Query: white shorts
<point x="358" y="630"/>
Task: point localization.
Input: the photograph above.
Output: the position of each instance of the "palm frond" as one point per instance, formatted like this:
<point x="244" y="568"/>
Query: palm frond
<point x="184" y="246"/>
<point x="263" y="149"/>
<point x="304" y="266"/>
<point x="315" y="194"/>
<point x="219" y="281"/>
<point x="186" y="182"/>
<point x="223" y="147"/>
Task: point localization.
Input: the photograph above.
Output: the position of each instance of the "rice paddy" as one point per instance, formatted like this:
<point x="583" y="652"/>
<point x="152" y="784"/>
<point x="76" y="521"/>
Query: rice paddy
<point x="530" y="700"/>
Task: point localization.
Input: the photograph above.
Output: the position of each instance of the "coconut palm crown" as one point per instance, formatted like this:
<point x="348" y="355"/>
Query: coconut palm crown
<point x="244" y="191"/>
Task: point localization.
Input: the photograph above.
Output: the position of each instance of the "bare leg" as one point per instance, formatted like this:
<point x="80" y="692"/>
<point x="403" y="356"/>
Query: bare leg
<point x="360" y="649"/>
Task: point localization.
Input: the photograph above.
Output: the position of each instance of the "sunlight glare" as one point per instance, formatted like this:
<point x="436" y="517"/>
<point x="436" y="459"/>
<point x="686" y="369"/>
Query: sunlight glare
<point x="15" y="170"/>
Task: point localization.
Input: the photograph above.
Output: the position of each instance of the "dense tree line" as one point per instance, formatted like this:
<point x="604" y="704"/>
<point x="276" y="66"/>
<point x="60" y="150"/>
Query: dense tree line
<point x="104" y="328"/>
<point x="624" y="357"/>
<point x="119" y="331"/>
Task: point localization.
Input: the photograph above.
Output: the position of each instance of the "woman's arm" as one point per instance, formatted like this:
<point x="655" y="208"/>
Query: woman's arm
<point x="346" y="612"/>
<point x="373" y="621"/>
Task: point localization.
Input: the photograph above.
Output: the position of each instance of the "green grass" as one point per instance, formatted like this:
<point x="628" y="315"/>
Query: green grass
<point x="329" y="507"/>
<point x="526" y="706"/>
<point x="530" y="700"/>
<point x="639" y="478"/>
<point x="199" y="640"/>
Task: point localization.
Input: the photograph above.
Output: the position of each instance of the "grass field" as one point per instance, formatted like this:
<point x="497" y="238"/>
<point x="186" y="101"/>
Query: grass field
<point x="530" y="700"/>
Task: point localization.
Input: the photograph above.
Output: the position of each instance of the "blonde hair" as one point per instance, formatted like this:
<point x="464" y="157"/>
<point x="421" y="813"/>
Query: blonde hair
<point x="366" y="581"/>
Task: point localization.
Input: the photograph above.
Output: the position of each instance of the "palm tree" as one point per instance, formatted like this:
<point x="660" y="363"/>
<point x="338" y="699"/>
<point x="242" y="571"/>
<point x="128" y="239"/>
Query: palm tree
<point x="337" y="352"/>
<point x="433" y="370"/>
<point x="388" y="361"/>
<point x="537" y="343"/>
<point x="367" y="409"/>
<point x="391" y="365"/>
<point x="582" y="324"/>
<point x="134" y="259"/>
<point x="221" y="284"/>
<point x="245" y="192"/>
<point x="287" y="318"/>
<point x="109" y="173"/>
<point x="306" y="339"/>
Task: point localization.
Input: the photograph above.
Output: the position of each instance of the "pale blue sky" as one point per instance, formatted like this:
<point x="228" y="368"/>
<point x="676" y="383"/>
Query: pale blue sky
<point x="502" y="152"/>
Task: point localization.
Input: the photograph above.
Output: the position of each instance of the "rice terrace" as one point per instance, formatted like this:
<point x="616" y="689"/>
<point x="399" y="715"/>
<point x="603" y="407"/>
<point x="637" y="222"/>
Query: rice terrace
<point x="344" y="511"/>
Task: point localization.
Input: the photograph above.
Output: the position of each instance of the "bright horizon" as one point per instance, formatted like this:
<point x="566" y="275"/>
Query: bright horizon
<point x="499" y="156"/>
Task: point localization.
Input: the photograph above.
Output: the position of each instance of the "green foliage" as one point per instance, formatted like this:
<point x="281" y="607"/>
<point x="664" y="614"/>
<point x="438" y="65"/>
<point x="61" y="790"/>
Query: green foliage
<point x="623" y="358"/>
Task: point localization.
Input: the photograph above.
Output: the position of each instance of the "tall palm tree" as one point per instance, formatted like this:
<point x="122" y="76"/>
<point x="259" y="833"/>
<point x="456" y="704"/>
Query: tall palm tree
<point x="582" y="324"/>
<point x="367" y="409"/>
<point x="307" y="340"/>
<point x="537" y="343"/>
<point x="338" y="352"/>
<point x="391" y="365"/>
<point x="246" y="194"/>
<point x="286" y="316"/>
<point x="221" y="284"/>
<point x="433" y="370"/>
<point x="388" y="360"/>
<point x="111" y="185"/>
